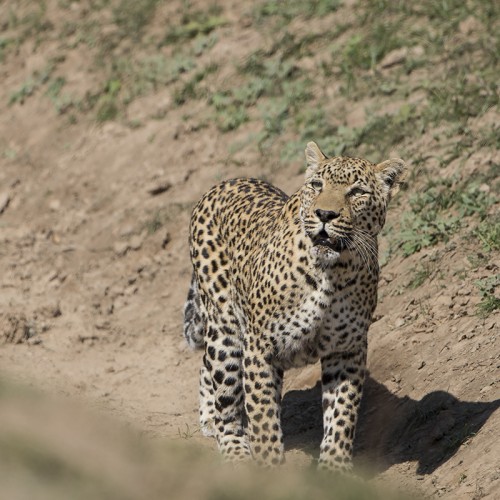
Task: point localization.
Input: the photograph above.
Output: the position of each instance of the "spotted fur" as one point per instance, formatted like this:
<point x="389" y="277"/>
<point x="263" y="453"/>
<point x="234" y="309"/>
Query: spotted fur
<point x="280" y="282"/>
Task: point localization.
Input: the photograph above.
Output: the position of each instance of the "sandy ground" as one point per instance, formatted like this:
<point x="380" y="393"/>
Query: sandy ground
<point x="95" y="269"/>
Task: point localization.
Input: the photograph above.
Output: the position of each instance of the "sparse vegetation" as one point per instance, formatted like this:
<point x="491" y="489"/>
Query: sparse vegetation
<point x="438" y="211"/>
<point x="294" y="8"/>
<point x="194" y="24"/>
<point x="132" y="16"/>
<point x="32" y="84"/>
<point x="201" y="94"/>
<point x="191" y="89"/>
<point x="273" y="89"/>
<point x="107" y="103"/>
<point x="488" y="233"/>
<point x="490" y="293"/>
<point x="420" y="276"/>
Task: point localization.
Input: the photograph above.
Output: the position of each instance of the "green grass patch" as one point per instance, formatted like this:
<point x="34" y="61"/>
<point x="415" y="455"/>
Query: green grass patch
<point x="195" y="23"/>
<point x="437" y="212"/>
<point x="490" y="300"/>
<point x="130" y="79"/>
<point x="107" y="103"/>
<point x="33" y="83"/>
<point x="289" y="10"/>
<point x="132" y="16"/>
<point x="488" y="232"/>
<point x="32" y="23"/>
<point x="420" y="276"/>
<point x="366" y="50"/>
<point x="191" y="89"/>
<point x="272" y="83"/>
<point x="230" y="113"/>
<point x="375" y="138"/>
<point x="460" y="96"/>
<point x="148" y="74"/>
<point x="5" y="43"/>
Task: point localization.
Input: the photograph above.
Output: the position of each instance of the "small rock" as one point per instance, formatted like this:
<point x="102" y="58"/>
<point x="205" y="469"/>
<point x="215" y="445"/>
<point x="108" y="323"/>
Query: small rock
<point x="394" y="57"/>
<point x="444" y="301"/>
<point x="137" y="241"/>
<point x="15" y="329"/>
<point x="392" y="387"/>
<point x="121" y="247"/>
<point x="4" y="201"/>
<point x="399" y="322"/>
<point x="182" y="346"/>
<point x="119" y="302"/>
<point x="420" y="365"/>
<point x="188" y="174"/>
<point x="143" y="263"/>
<point x="126" y="231"/>
<point x="484" y="188"/>
<point x="490" y="324"/>
<point x="464" y="301"/>
<point x="130" y="290"/>
<point x="51" y="276"/>
<point x="417" y="51"/>
<point x="159" y="187"/>
<point x="55" y="205"/>
<point x="166" y="239"/>
<point x="34" y="341"/>
<point x="50" y="310"/>
<point x="102" y="324"/>
<point x="469" y="25"/>
<point x="486" y="389"/>
<point x="87" y="339"/>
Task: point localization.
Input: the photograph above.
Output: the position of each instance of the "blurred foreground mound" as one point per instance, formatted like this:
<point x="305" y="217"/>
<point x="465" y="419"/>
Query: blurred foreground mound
<point x="54" y="449"/>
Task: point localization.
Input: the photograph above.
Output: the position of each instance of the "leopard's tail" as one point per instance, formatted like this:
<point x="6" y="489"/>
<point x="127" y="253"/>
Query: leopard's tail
<point x="194" y="323"/>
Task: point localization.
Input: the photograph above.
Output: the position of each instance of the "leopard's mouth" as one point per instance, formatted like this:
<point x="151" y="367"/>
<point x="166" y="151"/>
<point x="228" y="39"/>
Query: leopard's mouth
<point x="336" y="244"/>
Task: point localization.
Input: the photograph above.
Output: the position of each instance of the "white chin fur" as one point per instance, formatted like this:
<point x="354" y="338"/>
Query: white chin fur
<point x="324" y="254"/>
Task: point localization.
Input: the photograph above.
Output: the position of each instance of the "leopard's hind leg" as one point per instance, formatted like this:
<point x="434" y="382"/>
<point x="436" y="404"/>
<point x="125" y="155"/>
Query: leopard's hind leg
<point x="194" y="333"/>
<point x="194" y="320"/>
<point x="223" y="364"/>
<point x="207" y="403"/>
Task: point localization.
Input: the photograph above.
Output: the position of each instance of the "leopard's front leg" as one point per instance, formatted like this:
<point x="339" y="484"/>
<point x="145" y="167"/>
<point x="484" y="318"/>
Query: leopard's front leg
<point x="342" y="379"/>
<point x="262" y="386"/>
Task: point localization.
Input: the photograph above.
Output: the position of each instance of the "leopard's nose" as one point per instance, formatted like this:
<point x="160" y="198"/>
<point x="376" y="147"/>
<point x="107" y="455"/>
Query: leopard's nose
<point x="326" y="215"/>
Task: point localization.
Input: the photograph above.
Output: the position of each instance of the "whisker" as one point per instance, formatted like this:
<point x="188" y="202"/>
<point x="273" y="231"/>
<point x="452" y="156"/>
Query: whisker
<point x="360" y="250"/>
<point x="366" y="247"/>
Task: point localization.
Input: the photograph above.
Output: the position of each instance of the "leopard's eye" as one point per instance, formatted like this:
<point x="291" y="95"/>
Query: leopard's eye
<point x="316" y="185"/>
<point x="357" y="191"/>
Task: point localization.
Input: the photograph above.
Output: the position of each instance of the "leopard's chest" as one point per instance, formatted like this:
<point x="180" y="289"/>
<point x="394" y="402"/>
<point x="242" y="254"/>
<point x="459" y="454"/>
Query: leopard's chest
<point x="326" y="320"/>
<point x="295" y="327"/>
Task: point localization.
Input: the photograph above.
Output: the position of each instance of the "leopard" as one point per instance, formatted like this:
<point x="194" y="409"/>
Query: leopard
<point x="280" y="282"/>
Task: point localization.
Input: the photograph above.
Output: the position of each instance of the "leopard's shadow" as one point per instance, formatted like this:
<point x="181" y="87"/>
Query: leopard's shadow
<point x="391" y="429"/>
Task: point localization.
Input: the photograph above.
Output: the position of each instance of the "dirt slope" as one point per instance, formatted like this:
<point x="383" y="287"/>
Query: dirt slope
<point x="117" y="115"/>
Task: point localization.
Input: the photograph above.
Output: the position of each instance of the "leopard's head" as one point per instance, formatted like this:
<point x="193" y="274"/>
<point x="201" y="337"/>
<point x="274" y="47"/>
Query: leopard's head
<point x="344" y="202"/>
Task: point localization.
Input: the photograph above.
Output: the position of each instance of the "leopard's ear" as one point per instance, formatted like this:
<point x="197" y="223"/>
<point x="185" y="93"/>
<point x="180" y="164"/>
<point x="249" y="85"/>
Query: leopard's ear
<point x="392" y="174"/>
<point x="314" y="157"/>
